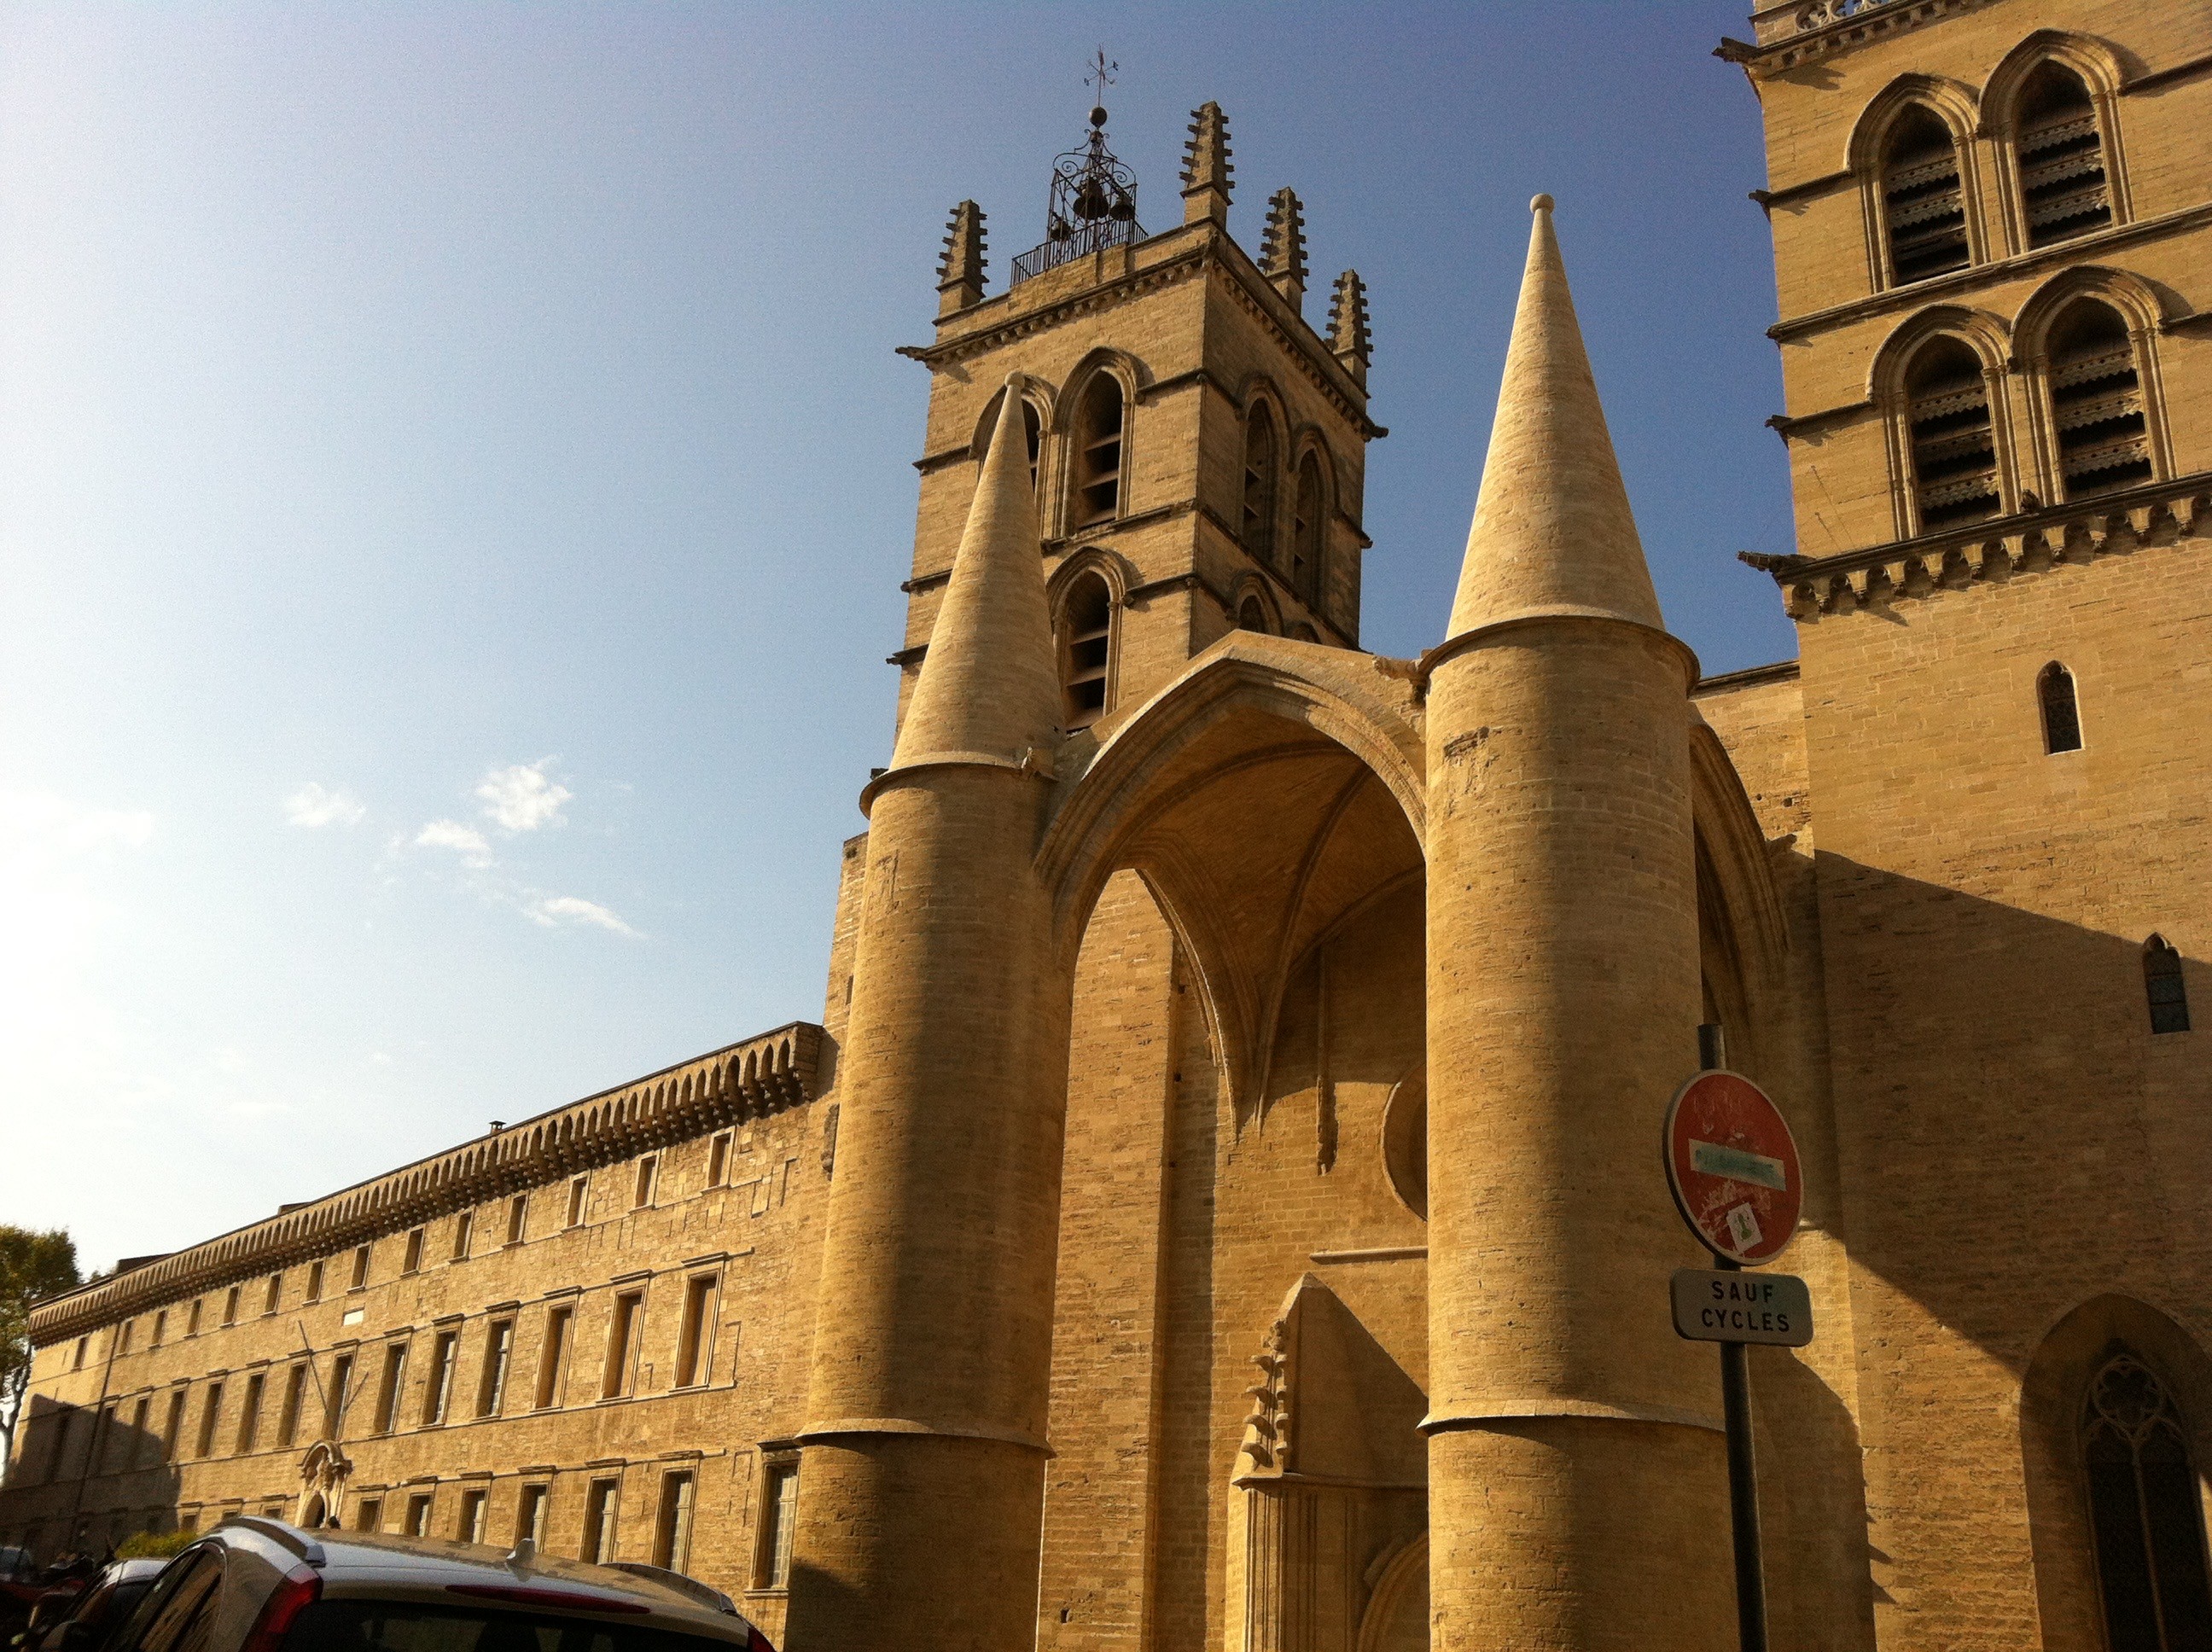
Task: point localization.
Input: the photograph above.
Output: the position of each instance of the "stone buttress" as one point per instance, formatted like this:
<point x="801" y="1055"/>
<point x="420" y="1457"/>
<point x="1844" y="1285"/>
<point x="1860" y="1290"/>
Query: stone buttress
<point x="1577" y="1495"/>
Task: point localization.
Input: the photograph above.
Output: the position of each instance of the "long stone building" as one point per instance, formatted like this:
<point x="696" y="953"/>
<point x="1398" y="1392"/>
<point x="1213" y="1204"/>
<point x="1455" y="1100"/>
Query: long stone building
<point x="1218" y="1206"/>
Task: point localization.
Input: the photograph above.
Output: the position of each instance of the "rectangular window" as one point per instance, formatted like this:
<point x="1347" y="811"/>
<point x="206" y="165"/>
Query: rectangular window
<point x="249" y="1414"/>
<point x="470" y="1527"/>
<point x="518" y="1217"/>
<point x="125" y="1336"/>
<point x="315" y="1282"/>
<point x="694" y="1340"/>
<point x="140" y="1415"/>
<point x="464" y="1229"/>
<point x="389" y="1389"/>
<point x="58" y="1457"/>
<point x="648" y="1168"/>
<point x="530" y="1513"/>
<point x="370" y="1517"/>
<point x="439" y="1389"/>
<point x="76" y="1362"/>
<point x="334" y="1402"/>
<point x="274" y="1298"/>
<point x="671" y="1534"/>
<point x="499" y="1349"/>
<point x="718" y="1160"/>
<point x="103" y="1438"/>
<point x="599" y="1511"/>
<point x="418" y="1514"/>
<point x="160" y="1328"/>
<point x="210" y="1410"/>
<point x="621" y="1343"/>
<point x="288" y="1419"/>
<point x="552" y="1360"/>
<point x="413" y="1264"/>
<point x="230" y="1305"/>
<point x="173" y="1428"/>
<point x="576" y="1191"/>
<point x="360" y="1269"/>
<point x="779" y="1512"/>
<point x="192" y="1319"/>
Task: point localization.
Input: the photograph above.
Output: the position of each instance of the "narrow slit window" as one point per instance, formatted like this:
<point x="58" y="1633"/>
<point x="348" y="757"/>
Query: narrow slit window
<point x="1923" y="207"/>
<point x="2147" y="1523"/>
<point x="273" y="1297"/>
<point x="2064" y="192"/>
<point x="192" y="1317"/>
<point x="1954" y="461"/>
<point x="249" y="1413"/>
<point x="413" y="1262"/>
<point x="1259" y="523"/>
<point x="1087" y="622"/>
<point x="778" y="1516"/>
<point x="1099" y="454"/>
<point x="173" y="1426"/>
<point x="694" y="1340"/>
<point x="391" y="1388"/>
<point x="2062" y="712"/>
<point x="1306" y="528"/>
<point x="230" y="1305"/>
<point x="464" y="1230"/>
<point x="648" y="1168"/>
<point x="552" y="1360"/>
<point x="577" y="1190"/>
<point x="518" y="1218"/>
<point x="334" y="1401"/>
<point x="438" y="1392"/>
<point x="288" y="1420"/>
<point x="211" y="1414"/>
<point x="360" y="1280"/>
<point x="2097" y="402"/>
<point x="499" y="1353"/>
<point x="718" y="1160"/>
<point x="621" y="1343"/>
<point x="2165" y="986"/>
<point x="315" y="1282"/>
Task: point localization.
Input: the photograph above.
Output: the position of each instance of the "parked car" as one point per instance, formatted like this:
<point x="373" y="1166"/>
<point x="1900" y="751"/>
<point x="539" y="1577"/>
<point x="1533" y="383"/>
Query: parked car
<point x="260" y="1585"/>
<point x="95" y="1615"/>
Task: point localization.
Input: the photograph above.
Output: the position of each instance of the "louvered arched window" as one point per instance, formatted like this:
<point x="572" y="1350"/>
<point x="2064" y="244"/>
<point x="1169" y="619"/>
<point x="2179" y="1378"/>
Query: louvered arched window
<point x="2064" y="188"/>
<point x="2061" y="712"/>
<point x="1087" y="619"/>
<point x="2097" y="402"/>
<point x="2165" y="986"/>
<point x="2148" y="1523"/>
<point x="1923" y="207"/>
<point x="1098" y="432"/>
<point x="1954" y="463"/>
<point x="1260" y="465"/>
<point x="1308" y="528"/>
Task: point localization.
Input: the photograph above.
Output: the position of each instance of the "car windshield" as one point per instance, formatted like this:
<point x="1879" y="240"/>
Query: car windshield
<point x="409" y="1626"/>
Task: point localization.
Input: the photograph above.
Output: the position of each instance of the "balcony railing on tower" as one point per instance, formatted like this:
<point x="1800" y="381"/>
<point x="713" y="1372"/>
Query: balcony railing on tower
<point x="1094" y="206"/>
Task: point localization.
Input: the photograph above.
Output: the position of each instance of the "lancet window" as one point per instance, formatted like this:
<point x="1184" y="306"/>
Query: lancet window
<point x="2097" y="402"/>
<point x="1087" y="635"/>
<point x="1259" y="464"/>
<point x="2064" y="188"/>
<point x="2061" y="714"/>
<point x="1251" y="616"/>
<point x="1307" y="527"/>
<point x="1954" y="466"/>
<point x="2147" y="1522"/>
<point x="2167" y="989"/>
<point x="1098" y="431"/>
<point x="1923" y="206"/>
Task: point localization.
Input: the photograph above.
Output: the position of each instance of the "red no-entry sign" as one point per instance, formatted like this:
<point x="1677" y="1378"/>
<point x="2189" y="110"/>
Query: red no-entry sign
<point x="1733" y="1167"/>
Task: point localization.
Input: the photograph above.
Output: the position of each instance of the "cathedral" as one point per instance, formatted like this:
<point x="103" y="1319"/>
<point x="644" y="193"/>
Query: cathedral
<point x="1219" y="1207"/>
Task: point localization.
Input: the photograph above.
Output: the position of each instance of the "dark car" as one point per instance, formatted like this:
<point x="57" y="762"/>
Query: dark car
<point x="260" y="1585"/>
<point x="95" y="1614"/>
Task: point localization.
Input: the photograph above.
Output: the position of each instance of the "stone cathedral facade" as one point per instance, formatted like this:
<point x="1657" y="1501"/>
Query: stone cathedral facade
<point x="1220" y="1205"/>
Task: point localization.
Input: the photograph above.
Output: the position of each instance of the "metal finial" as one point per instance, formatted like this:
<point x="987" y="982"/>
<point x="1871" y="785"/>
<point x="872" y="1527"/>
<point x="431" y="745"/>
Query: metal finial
<point x="1102" y="76"/>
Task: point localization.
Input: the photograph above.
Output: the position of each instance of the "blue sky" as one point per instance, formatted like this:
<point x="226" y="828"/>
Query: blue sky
<point x="454" y="481"/>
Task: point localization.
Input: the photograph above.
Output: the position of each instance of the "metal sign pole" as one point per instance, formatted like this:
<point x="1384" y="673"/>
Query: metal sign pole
<point x="1735" y="1412"/>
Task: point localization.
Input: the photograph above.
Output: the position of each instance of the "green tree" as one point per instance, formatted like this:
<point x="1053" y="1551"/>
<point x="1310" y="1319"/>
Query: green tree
<point x="33" y="1266"/>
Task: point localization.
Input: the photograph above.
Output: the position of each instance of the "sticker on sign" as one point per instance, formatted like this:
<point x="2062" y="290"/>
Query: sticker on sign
<point x="1733" y="1167"/>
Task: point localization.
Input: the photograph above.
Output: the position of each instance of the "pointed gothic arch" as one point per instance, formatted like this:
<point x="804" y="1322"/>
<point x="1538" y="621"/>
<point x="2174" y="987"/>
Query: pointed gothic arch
<point x="1939" y="382"/>
<point x="1912" y="152"/>
<point x="2032" y="107"/>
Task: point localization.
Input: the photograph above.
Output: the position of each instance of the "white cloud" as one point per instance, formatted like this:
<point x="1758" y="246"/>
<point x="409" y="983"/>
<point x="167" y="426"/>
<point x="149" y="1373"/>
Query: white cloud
<point x="520" y="798"/>
<point x="552" y="910"/>
<point x="465" y="841"/>
<point x="314" y="805"/>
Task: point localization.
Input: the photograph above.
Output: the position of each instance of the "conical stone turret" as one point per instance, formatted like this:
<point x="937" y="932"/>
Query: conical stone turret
<point x="1552" y="528"/>
<point x="986" y="685"/>
<point x="1577" y="1486"/>
<point x="924" y="1440"/>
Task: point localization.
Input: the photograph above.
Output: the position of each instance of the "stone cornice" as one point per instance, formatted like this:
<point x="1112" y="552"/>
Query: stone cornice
<point x="1797" y="32"/>
<point x="2032" y="542"/>
<point x="762" y="1075"/>
<point x="2080" y="249"/>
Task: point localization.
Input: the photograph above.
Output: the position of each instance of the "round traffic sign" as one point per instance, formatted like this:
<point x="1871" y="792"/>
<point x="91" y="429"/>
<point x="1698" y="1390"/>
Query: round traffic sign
<point x="1733" y="1167"/>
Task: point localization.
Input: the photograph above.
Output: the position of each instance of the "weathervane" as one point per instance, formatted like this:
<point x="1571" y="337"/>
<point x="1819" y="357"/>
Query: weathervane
<point x="1094" y="195"/>
<point x="1101" y="71"/>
